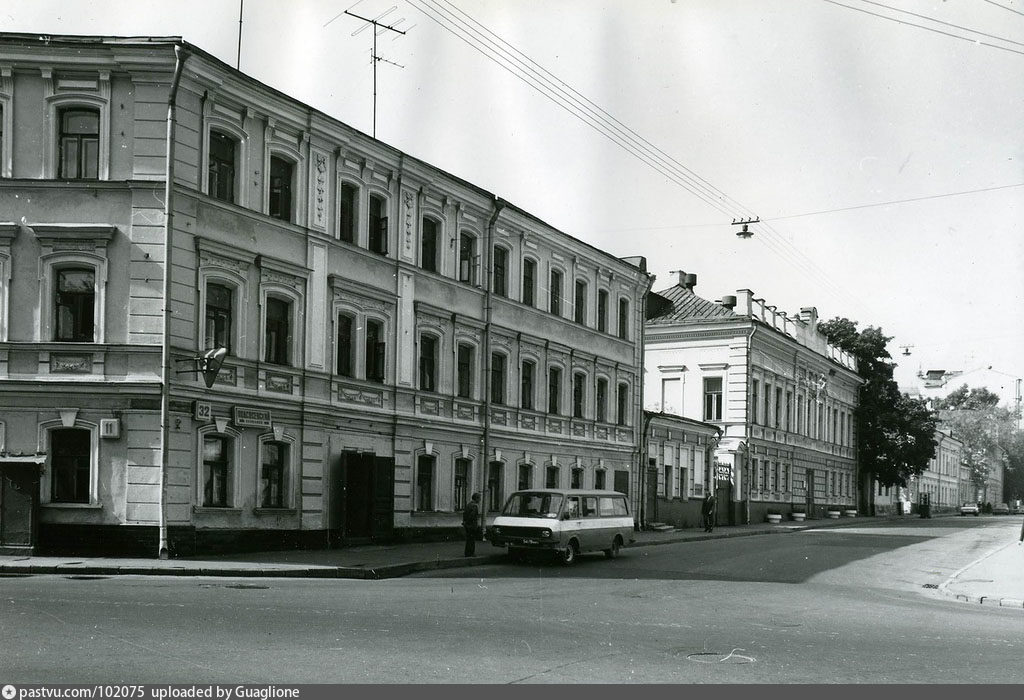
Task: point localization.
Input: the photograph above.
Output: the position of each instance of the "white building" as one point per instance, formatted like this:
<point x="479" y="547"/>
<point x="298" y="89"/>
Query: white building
<point x="782" y="396"/>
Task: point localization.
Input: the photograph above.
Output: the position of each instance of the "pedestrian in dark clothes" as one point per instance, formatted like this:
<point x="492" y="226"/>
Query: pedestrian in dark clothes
<point x="471" y="522"/>
<point x="1021" y="534"/>
<point x="707" y="510"/>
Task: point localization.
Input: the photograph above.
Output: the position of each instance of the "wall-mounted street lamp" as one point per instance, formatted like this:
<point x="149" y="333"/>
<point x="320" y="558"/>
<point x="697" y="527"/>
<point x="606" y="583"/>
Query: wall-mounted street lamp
<point x="208" y="364"/>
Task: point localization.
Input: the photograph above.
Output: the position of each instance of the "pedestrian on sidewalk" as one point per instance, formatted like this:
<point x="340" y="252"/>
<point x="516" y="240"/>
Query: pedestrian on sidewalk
<point x="707" y="510"/>
<point x="471" y="522"/>
<point x="1021" y="534"/>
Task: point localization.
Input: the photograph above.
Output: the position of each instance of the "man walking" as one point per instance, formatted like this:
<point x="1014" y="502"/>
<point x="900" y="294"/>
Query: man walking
<point x="471" y="522"/>
<point x="707" y="510"/>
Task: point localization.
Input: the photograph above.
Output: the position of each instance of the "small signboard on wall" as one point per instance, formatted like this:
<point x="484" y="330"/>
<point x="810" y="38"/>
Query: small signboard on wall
<point x="251" y="417"/>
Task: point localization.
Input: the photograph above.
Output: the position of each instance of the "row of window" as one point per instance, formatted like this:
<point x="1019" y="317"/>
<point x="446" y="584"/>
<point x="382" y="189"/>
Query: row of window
<point x="426" y="496"/>
<point x="429" y="361"/>
<point x="224" y="152"/>
<point x="771" y="476"/>
<point x="776" y="408"/>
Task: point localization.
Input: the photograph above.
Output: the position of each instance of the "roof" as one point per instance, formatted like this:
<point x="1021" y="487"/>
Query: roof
<point x="684" y="305"/>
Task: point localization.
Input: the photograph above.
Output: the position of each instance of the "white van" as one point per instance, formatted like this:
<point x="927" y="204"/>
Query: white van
<point x="568" y="522"/>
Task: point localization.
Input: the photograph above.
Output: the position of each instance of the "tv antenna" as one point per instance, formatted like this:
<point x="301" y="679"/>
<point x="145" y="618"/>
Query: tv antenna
<point x="378" y="29"/>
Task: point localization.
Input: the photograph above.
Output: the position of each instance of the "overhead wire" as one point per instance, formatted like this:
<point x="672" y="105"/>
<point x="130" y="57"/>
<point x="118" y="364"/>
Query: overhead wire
<point x="921" y="26"/>
<point x="616" y="131"/>
<point x="1004" y="7"/>
<point x="939" y="21"/>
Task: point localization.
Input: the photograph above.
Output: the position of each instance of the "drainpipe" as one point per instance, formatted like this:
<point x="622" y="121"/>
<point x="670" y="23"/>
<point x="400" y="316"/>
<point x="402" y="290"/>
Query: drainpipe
<point x="748" y="474"/>
<point x="485" y="439"/>
<point x="181" y="54"/>
<point x="638" y="392"/>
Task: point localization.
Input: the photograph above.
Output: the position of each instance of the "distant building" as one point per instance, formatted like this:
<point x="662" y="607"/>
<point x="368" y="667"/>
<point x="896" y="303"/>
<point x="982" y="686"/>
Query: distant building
<point x="939" y="383"/>
<point x="782" y="396"/>
<point x="397" y="338"/>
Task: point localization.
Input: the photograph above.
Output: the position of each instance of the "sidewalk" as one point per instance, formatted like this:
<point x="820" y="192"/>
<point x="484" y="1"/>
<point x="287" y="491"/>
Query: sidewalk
<point x="362" y="562"/>
<point x="996" y="578"/>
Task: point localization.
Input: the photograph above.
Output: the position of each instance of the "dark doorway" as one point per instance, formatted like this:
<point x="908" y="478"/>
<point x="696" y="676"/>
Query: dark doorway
<point x="723" y="505"/>
<point x="368" y="502"/>
<point x="19" y="501"/>
<point x="622" y="481"/>
<point x="810" y="493"/>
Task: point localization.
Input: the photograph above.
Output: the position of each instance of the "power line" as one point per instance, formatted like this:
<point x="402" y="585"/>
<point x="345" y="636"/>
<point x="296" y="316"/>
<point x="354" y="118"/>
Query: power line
<point x="939" y="21"/>
<point x="1004" y="7"/>
<point x="620" y="135"/>
<point x="919" y="26"/>
<point x="895" y="201"/>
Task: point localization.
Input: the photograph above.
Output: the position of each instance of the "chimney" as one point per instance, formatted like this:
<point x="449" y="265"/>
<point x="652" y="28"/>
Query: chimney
<point x="729" y="301"/>
<point x="690" y="281"/>
<point x="809" y="315"/>
<point x="680" y="278"/>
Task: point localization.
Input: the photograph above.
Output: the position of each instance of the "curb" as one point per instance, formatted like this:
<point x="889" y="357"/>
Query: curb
<point x="385" y="571"/>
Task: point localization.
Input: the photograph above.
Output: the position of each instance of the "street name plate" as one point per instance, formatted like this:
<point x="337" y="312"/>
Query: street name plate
<point x="251" y="417"/>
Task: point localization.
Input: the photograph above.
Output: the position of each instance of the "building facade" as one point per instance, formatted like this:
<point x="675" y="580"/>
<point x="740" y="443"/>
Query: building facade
<point x="946" y="482"/>
<point x="396" y="338"/>
<point x="783" y="398"/>
<point x="680" y="454"/>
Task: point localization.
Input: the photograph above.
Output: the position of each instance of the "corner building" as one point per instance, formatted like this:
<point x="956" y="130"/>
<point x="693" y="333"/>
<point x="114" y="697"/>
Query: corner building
<point x="397" y="338"/>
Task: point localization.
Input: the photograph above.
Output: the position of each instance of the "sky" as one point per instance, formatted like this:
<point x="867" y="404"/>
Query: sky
<point x="821" y="118"/>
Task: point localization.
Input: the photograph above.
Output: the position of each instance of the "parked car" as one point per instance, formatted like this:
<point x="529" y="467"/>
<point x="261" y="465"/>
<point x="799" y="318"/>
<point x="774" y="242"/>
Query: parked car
<point x="969" y="509"/>
<point x="1000" y="509"/>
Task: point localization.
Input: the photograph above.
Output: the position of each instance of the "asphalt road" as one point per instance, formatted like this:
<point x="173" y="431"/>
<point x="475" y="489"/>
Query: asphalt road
<point x="823" y="606"/>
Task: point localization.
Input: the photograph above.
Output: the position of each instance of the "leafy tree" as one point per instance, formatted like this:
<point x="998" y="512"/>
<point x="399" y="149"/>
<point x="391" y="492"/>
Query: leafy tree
<point x="986" y="429"/>
<point x="895" y="433"/>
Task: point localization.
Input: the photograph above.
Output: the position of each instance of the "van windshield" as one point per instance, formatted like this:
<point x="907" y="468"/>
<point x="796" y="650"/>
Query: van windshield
<point x="533" y="505"/>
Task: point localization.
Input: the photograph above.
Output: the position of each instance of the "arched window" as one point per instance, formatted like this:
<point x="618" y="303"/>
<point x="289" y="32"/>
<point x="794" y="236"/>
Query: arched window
<point x="79" y="143"/>
<point x="346" y="345"/>
<point x="222" y="166"/>
<point x="75" y="305"/>
<point x="71" y="465"/>
<point x="428" y="362"/>
<point x="348" y="196"/>
<point x="280" y="197"/>
<point x="499" y="378"/>
<point x="217" y="477"/>
<point x="277" y="331"/>
<point x="499" y="271"/>
<point x="428" y="244"/>
<point x="426" y="480"/>
<point x="580" y="302"/>
<point x="529" y="291"/>
<point x="378" y="223"/>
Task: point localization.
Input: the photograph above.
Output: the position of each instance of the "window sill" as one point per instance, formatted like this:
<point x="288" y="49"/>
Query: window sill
<point x="73" y="506"/>
<point x="216" y="509"/>
<point x="275" y="511"/>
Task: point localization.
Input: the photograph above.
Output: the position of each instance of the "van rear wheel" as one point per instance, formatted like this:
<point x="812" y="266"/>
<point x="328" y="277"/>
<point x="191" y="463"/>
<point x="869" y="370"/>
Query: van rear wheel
<point x="613" y="551"/>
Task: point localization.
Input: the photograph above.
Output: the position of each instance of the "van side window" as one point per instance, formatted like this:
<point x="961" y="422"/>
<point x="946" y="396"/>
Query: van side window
<point x="572" y="507"/>
<point x="590" y="506"/>
<point x="613" y="506"/>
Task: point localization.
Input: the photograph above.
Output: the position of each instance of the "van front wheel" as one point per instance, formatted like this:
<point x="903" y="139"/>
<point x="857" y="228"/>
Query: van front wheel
<point x="568" y="554"/>
<point x="613" y="551"/>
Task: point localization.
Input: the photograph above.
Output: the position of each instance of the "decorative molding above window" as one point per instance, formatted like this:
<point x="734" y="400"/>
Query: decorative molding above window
<point x="672" y="369"/>
<point x="713" y="366"/>
<point x="60" y="237"/>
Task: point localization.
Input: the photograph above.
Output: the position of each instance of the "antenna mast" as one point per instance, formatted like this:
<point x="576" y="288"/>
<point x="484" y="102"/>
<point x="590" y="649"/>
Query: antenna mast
<point x="378" y="28"/>
<point x="238" y="59"/>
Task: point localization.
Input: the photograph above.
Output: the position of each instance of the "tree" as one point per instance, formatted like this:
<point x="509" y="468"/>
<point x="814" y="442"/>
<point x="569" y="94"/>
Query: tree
<point x="986" y="429"/>
<point x="895" y="433"/>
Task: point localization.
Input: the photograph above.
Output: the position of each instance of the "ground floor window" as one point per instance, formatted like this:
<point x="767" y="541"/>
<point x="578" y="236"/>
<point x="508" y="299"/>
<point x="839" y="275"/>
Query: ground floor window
<point x="70" y="460"/>
<point x="525" y="477"/>
<point x="216" y="456"/>
<point x="551" y="478"/>
<point x="576" y="479"/>
<point x="272" y="474"/>
<point x="494" y="490"/>
<point x="425" y="482"/>
<point x="599" y="480"/>
<point x="461" y="483"/>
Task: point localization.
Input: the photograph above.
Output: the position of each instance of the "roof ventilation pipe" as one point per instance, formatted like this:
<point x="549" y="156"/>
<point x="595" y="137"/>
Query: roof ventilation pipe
<point x="690" y="281"/>
<point x="729" y="301"/>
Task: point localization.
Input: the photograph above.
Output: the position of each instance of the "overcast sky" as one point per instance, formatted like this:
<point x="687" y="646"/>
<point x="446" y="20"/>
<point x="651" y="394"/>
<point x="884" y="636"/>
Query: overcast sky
<point x="776" y="108"/>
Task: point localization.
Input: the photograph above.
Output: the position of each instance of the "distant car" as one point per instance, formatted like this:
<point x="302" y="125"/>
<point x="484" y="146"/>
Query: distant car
<point x="1000" y="509"/>
<point x="969" y="509"/>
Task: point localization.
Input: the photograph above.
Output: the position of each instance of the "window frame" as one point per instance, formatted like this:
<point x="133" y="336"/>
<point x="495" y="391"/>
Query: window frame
<point x="287" y="347"/>
<point x="437" y="234"/>
<point x="555" y="291"/>
<point x="50" y="262"/>
<point x="602" y="310"/>
<point x="465" y="389"/>
<point x="499" y="378"/>
<point x="46" y="430"/>
<point x="6" y="122"/>
<point x="80" y="310"/>
<point x="459" y="503"/>
<point x="82" y="159"/>
<point x="289" y="468"/>
<point x="232" y="484"/>
<point x="601" y="399"/>
<point x="352" y="219"/>
<point x="216" y="269"/>
<point x="379" y="354"/>
<point x="622" y="403"/>
<point x="579" y="311"/>
<point x="579" y="394"/>
<point x="499" y="280"/>
<point x="528" y="281"/>
<point x="714" y="411"/>
<point x="428" y="365"/>
<point x="466" y="270"/>
<point x="554" y="390"/>
<point x="292" y="186"/>
<point x="425" y="459"/>
<point x="623" y="317"/>
<point x="350" y="356"/>
<point x="232" y="306"/>
<point x="220" y="132"/>
<point x="378" y="223"/>
<point x="56" y="102"/>
<point x="528" y="386"/>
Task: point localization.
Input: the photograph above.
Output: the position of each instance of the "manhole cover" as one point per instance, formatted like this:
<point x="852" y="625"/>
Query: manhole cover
<point x="246" y="586"/>
<point x="83" y="577"/>
<point x="931" y="585"/>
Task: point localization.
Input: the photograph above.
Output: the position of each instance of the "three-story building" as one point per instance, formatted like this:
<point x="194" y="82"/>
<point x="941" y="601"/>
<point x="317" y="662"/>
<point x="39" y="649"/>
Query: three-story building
<point x="396" y="338"/>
